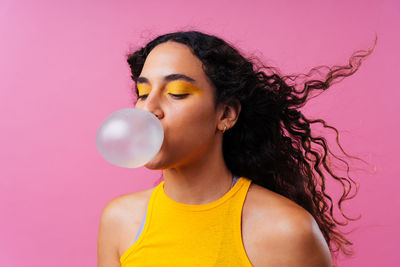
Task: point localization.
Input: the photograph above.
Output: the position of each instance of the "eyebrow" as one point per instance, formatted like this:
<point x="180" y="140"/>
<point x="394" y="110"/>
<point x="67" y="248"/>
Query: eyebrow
<point x="168" y="78"/>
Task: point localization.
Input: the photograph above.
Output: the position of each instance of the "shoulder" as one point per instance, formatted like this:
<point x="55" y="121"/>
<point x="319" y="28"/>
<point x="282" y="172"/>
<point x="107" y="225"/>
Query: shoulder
<point x="117" y="216"/>
<point x="125" y="205"/>
<point x="287" y="233"/>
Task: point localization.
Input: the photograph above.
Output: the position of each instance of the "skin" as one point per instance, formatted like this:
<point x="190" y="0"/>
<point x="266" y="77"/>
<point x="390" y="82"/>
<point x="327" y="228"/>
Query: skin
<point x="275" y="230"/>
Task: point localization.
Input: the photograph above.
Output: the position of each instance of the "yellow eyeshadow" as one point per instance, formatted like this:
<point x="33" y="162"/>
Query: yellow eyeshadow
<point x="180" y="88"/>
<point x="143" y="89"/>
<point x="174" y="87"/>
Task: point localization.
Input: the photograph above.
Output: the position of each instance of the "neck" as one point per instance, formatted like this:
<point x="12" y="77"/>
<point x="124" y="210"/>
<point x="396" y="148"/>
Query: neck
<point x="202" y="181"/>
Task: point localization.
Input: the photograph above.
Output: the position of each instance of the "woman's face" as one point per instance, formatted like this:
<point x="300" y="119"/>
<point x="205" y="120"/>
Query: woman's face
<point x="173" y="86"/>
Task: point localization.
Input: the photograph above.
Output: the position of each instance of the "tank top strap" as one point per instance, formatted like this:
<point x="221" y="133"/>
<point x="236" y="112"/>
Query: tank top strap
<point x="234" y="180"/>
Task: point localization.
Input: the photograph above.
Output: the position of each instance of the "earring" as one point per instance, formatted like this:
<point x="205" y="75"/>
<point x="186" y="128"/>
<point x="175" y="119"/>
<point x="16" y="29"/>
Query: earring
<point x="224" y="129"/>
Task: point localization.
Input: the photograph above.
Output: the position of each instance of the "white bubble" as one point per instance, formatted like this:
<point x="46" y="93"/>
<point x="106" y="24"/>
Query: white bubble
<point x="129" y="137"/>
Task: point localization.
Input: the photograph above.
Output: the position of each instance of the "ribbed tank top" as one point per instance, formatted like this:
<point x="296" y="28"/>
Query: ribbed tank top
<point x="177" y="234"/>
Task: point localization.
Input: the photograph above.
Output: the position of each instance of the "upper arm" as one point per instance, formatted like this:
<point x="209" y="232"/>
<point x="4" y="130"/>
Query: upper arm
<point x="297" y="241"/>
<point x="107" y="240"/>
<point x="307" y="243"/>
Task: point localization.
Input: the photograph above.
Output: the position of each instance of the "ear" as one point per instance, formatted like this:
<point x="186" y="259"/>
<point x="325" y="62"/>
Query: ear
<point x="229" y="114"/>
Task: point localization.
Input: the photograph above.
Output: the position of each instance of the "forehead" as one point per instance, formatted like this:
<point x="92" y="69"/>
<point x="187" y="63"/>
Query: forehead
<point x="172" y="57"/>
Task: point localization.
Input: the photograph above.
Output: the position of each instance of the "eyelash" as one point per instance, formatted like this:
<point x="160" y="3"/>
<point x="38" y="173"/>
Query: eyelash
<point x="175" y="96"/>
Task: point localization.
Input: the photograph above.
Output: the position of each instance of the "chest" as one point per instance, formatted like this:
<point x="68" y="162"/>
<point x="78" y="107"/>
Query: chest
<point x="249" y="233"/>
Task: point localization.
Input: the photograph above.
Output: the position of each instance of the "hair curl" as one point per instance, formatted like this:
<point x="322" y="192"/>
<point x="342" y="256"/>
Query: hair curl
<point x="271" y="142"/>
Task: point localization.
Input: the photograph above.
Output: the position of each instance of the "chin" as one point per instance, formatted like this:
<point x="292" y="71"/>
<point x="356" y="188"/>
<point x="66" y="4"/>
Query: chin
<point x="155" y="164"/>
<point x="153" y="167"/>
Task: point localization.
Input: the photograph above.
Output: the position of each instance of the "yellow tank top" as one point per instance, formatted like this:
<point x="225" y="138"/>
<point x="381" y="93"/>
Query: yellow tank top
<point x="177" y="234"/>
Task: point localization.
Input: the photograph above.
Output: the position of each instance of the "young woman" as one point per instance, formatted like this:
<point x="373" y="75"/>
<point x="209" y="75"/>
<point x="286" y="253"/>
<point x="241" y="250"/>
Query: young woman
<point x="242" y="184"/>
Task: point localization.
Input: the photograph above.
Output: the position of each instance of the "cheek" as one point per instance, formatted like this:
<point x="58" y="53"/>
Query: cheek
<point x="191" y="122"/>
<point x="193" y="116"/>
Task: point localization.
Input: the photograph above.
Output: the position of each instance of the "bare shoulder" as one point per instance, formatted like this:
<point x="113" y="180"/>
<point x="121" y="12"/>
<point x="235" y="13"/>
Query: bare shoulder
<point x="125" y="205"/>
<point x="287" y="234"/>
<point x="118" y="221"/>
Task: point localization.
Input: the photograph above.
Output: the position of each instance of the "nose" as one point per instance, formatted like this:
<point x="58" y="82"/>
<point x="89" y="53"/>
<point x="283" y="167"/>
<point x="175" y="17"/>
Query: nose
<point x="152" y="104"/>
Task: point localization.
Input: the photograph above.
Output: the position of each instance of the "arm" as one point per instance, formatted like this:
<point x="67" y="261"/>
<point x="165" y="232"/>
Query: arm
<point x="107" y="241"/>
<point x="295" y="241"/>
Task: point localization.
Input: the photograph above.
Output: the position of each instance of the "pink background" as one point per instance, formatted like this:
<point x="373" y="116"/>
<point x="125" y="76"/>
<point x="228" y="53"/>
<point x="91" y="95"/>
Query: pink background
<point x="63" y="71"/>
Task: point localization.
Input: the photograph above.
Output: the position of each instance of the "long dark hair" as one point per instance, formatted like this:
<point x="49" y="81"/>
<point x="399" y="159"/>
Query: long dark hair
<point x="271" y="142"/>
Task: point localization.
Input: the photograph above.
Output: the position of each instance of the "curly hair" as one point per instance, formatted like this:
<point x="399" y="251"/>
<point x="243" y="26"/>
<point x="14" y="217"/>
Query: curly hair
<point x="271" y="142"/>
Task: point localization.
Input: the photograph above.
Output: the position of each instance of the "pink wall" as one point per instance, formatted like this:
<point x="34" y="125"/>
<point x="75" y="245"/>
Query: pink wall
<point x="62" y="71"/>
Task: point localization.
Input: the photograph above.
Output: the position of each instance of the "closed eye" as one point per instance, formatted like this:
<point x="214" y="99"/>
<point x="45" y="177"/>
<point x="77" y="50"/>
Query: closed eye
<point x="181" y="96"/>
<point x="178" y="96"/>
<point x="142" y="96"/>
